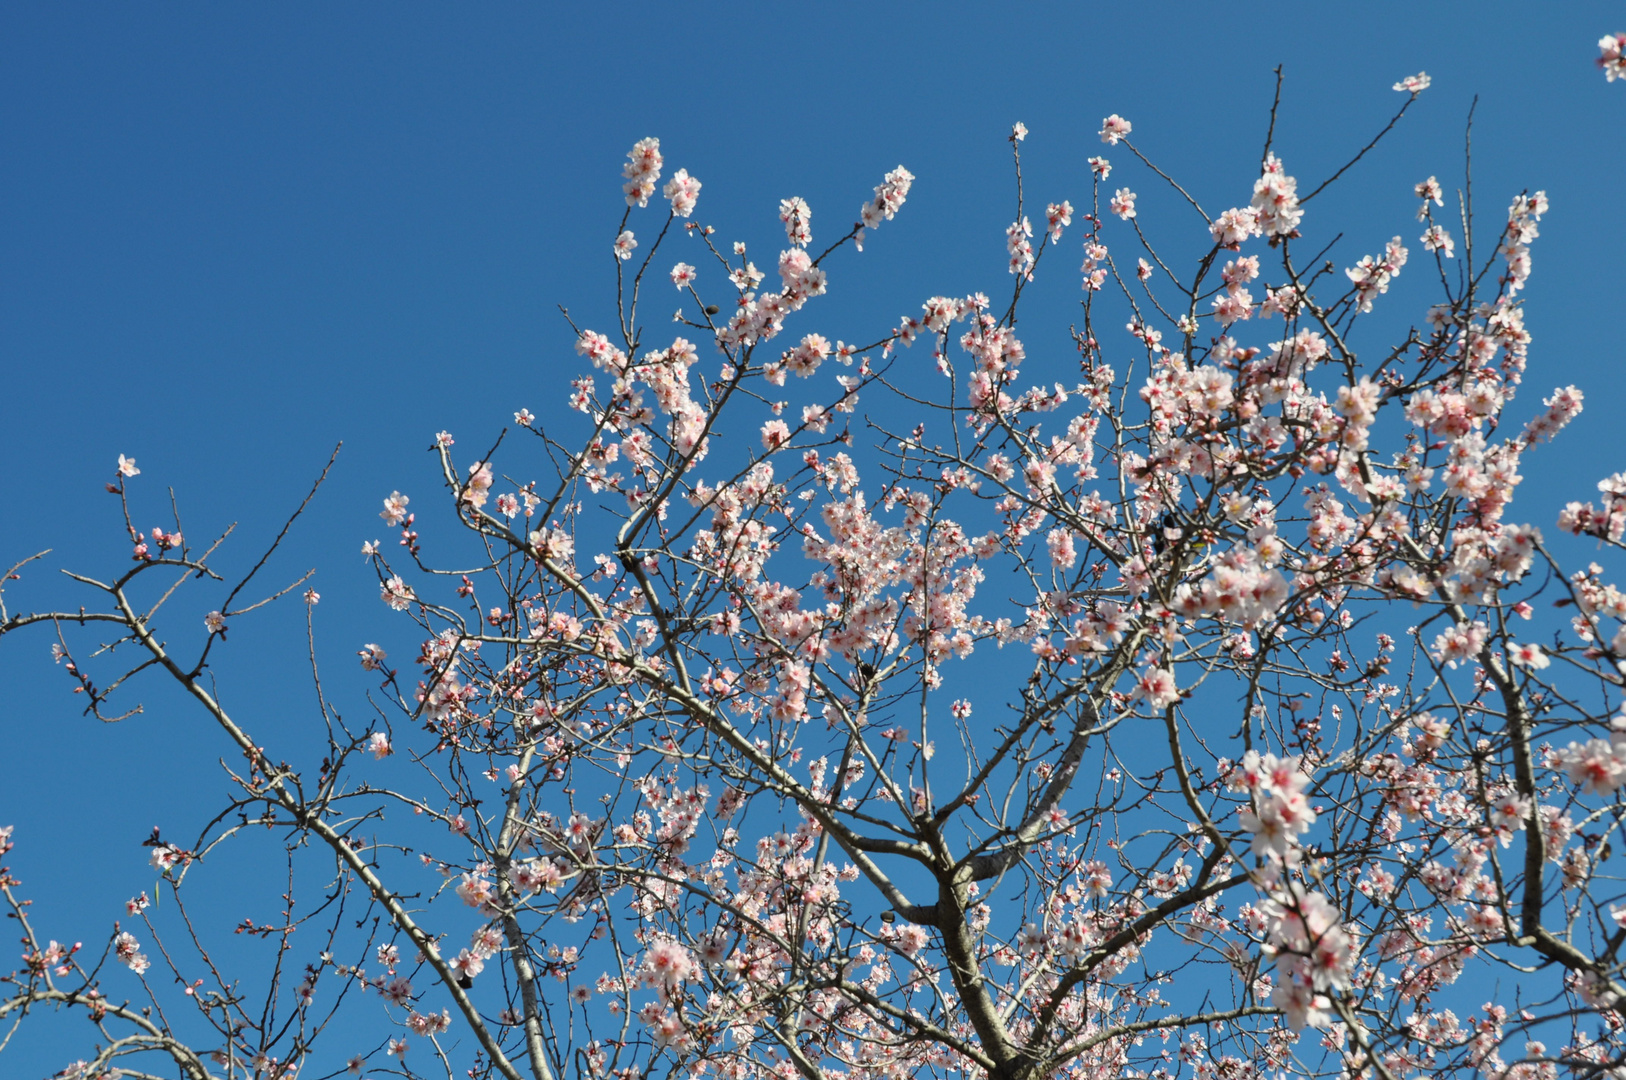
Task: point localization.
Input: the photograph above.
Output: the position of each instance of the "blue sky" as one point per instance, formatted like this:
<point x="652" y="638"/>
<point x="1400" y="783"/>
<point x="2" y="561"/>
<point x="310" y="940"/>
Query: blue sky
<point x="231" y="237"/>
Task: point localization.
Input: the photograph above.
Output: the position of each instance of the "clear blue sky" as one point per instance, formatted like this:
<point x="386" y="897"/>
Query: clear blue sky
<point x="231" y="236"/>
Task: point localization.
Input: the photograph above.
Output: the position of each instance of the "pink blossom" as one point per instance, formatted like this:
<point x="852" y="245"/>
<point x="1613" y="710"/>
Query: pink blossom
<point x="1057" y="217"/>
<point x="1155" y="685"/>
<point x="684" y="191"/>
<point x="1233" y="306"/>
<point x="1527" y="655"/>
<point x="395" y="509"/>
<point x="666" y="963"/>
<point x="796" y="216"/>
<point x="806" y="357"/>
<point x="642" y="170"/>
<point x="128" y="950"/>
<point x="428" y="1024"/>
<point x="397" y="593"/>
<point x="1429" y="191"/>
<point x="1062" y="553"/>
<point x="1372" y="275"/>
<point x="1598" y="765"/>
<point x="553" y="545"/>
<point x="1275" y="200"/>
<point x="775" y="433"/>
<point x="1114" y="128"/>
<point x="1280" y="813"/>
<point x="1435" y="238"/>
<point x="1459" y="642"/>
<point x="1612" y="56"/>
<point x="890" y="195"/>
<point x="479" y="485"/>
<point x="1019" y="246"/>
<point x="467" y="964"/>
<point x="1563" y="406"/>
<point x="910" y="939"/>
<point x="1234" y="226"/>
<point x="475" y="890"/>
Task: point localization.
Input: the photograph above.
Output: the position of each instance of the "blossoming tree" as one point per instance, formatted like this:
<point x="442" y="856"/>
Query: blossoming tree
<point x="1271" y="765"/>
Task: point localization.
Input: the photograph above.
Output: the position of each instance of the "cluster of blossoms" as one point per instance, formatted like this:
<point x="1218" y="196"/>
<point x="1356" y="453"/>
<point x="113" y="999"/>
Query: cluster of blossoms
<point x="1597" y="766"/>
<point x="890" y="195"/>
<point x="128" y="950"/>
<point x="1435" y="237"/>
<point x="1276" y="201"/>
<point x="1057" y="217"/>
<point x="1273" y="212"/>
<point x="684" y="192"/>
<point x="486" y="943"/>
<point x="797" y="218"/>
<point x="1280" y="813"/>
<point x="642" y="170"/>
<point x="760" y="316"/>
<point x="1115" y="128"/>
<point x="1371" y="276"/>
<point x="1235" y="303"/>
<point x="1612" y="55"/>
<point x="1313" y="954"/>
<point x="1609" y="521"/>
<point x="1019" y="246"/>
<point x="1522" y="218"/>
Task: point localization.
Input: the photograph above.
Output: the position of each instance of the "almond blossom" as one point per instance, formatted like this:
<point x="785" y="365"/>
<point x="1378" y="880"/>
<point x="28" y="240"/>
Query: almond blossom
<point x="1612" y="55"/>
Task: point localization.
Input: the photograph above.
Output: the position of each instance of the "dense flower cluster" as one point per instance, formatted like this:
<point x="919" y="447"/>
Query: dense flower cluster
<point x="1612" y="55"/>
<point x="890" y="196"/>
<point x="642" y="171"/>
